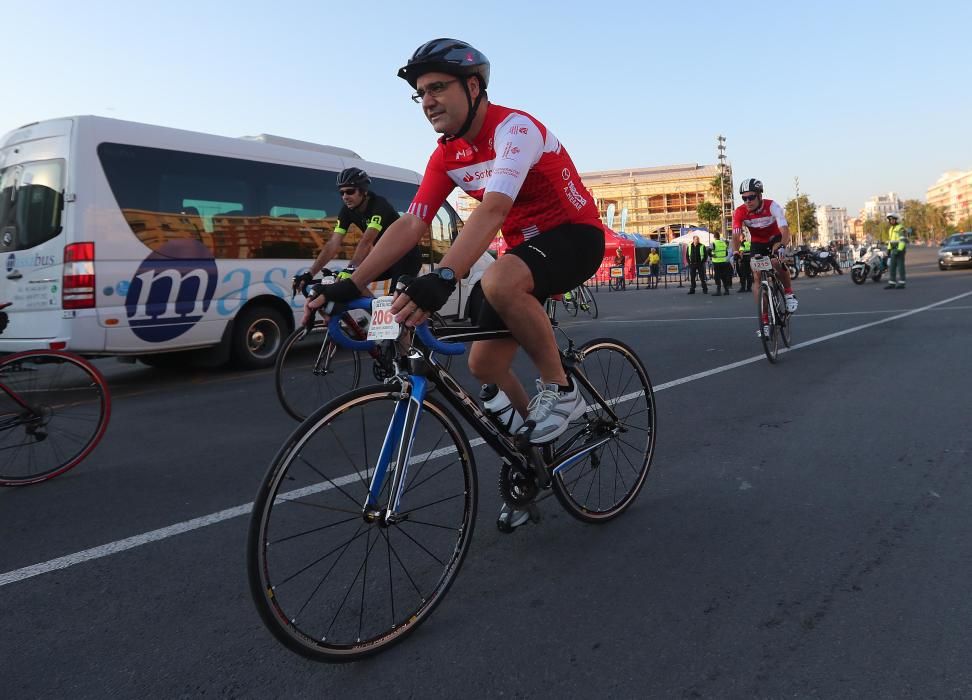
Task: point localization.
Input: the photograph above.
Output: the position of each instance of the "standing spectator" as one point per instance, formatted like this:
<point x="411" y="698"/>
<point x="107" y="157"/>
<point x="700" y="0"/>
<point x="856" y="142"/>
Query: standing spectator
<point x="721" y="269"/>
<point x="743" y="266"/>
<point x="619" y="260"/>
<point x="697" y="255"/>
<point x="654" y="262"/>
<point x="897" y="241"/>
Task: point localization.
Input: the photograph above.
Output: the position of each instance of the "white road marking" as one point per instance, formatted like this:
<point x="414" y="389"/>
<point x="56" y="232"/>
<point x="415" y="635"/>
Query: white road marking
<point x="213" y="518"/>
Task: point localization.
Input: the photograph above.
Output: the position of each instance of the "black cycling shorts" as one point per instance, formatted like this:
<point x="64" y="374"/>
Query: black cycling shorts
<point x="761" y="248"/>
<point x="559" y="260"/>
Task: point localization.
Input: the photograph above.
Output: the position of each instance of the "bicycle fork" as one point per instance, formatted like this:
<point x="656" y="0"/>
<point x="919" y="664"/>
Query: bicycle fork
<point x="399" y="436"/>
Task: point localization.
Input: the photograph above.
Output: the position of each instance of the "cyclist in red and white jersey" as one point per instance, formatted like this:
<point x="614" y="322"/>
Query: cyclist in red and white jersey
<point x="769" y="234"/>
<point x="529" y="187"/>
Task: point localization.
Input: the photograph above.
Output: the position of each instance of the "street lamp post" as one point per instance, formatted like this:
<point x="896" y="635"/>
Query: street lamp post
<point x="796" y="183"/>
<point x="722" y="185"/>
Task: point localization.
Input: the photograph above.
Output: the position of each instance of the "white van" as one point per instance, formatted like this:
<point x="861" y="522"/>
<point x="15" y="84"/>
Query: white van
<point x="130" y="239"/>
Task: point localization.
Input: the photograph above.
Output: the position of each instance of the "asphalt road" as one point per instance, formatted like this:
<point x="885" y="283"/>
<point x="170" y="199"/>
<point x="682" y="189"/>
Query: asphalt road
<point x="804" y="531"/>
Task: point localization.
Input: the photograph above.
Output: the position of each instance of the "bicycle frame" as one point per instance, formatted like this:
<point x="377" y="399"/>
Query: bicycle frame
<point x="425" y="372"/>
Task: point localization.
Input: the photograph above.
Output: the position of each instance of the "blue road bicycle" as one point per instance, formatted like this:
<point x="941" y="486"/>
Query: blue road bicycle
<point x="367" y="511"/>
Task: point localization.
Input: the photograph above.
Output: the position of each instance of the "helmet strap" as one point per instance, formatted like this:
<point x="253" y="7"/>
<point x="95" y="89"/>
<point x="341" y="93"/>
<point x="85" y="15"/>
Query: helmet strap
<point x="473" y="108"/>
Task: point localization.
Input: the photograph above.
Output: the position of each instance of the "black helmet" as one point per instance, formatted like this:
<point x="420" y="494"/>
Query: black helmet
<point x="751" y="185"/>
<point x="353" y="177"/>
<point x="446" y="56"/>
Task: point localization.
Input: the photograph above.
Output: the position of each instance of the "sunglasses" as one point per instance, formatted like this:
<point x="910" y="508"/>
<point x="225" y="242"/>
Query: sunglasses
<point x="353" y="190"/>
<point x="749" y="197"/>
<point x="434" y="89"/>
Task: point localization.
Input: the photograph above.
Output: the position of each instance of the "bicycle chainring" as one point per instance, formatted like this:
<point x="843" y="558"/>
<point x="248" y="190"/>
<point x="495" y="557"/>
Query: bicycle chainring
<point x="383" y="371"/>
<point x="516" y="487"/>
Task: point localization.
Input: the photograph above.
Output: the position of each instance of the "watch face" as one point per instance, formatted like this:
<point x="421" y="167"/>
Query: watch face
<point x="447" y="274"/>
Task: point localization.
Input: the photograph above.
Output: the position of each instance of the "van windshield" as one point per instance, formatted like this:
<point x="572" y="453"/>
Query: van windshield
<point x="31" y="199"/>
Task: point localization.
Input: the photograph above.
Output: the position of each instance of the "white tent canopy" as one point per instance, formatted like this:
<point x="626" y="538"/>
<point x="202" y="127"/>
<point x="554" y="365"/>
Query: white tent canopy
<point x="704" y="236"/>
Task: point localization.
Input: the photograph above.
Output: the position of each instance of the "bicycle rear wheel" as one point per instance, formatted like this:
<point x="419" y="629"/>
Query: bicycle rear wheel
<point x="602" y="484"/>
<point x="54" y="408"/>
<point x="785" y="329"/>
<point x="311" y="370"/>
<point x="771" y="342"/>
<point x="330" y="583"/>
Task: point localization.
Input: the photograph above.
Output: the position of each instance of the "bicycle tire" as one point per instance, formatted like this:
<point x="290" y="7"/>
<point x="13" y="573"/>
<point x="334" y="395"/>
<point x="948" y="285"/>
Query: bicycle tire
<point x="301" y="386"/>
<point x="771" y="344"/>
<point x="55" y="409"/>
<point x="588" y="299"/>
<point x="315" y="522"/>
<point x="623" y="462"/>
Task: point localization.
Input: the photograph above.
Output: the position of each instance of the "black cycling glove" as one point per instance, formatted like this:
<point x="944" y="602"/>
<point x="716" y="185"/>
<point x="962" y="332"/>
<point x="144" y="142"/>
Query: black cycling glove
<point x="341" y="291"/>
<point x="299" y="281"/>
<point x="430" y="292"/>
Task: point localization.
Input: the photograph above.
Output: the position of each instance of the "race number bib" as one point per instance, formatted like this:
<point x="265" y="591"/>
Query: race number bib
<point x="383" y="324"/>
<point x="761" y="262"/>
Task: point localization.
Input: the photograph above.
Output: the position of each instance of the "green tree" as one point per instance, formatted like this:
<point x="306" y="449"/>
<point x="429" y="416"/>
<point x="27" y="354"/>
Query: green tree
<point x="715" y="188"/>
<point x="927" y="221"/>
<point x="807" y="220"/>
<point x="709" y="214"/>
<point x="876" y="229"/>
<point x="965" y="224"/>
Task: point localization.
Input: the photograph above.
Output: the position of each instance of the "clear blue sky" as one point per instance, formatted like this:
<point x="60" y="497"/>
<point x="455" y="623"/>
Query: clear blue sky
<point x="857" y="98"/>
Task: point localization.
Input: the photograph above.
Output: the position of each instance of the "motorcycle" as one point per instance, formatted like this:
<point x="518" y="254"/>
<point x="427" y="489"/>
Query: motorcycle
<point x="871" y="263"/>
<point x="816" y="263"/>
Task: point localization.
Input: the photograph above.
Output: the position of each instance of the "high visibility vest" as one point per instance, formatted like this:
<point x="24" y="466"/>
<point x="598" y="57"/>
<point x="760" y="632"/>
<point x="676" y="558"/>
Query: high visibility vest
<point x="720" y="251"/>
<point x="746" y="245"/>
<point x="896" y="242"/>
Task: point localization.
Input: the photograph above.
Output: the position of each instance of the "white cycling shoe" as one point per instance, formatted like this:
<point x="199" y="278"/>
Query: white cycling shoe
<point x="551" y="411"/>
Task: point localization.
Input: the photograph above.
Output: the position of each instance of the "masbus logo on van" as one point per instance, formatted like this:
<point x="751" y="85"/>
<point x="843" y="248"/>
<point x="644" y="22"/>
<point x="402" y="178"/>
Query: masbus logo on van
<point x="171" y="290"/>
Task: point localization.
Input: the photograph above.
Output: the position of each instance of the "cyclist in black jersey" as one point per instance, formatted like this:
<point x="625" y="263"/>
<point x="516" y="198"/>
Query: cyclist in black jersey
<point x="372" y="214"/>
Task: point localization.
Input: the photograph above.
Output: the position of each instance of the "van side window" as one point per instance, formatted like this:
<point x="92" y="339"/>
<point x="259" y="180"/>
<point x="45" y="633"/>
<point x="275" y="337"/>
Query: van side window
<point x="241" y="208"/>
<point x="236" y="208"/>
<point x="31" y="200"/>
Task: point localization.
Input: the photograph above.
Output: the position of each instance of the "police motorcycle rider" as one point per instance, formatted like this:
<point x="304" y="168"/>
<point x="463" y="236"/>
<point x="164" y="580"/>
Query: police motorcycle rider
<point x="372" y="214"/>
<point x="897" y="244"/>
<point x="529" y="188"/>
<point x="770" y="234"/>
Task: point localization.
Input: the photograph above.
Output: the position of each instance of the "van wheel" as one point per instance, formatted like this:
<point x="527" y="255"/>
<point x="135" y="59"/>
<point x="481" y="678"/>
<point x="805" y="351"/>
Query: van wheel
<point x="258" y="334"/>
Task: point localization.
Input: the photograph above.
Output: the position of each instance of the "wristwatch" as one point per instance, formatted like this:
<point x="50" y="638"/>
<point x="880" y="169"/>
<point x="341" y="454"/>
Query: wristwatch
<point x="447" y="274"/>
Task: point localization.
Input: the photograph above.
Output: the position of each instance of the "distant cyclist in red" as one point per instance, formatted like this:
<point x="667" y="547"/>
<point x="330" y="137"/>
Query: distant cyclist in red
<point x="769" y="232"/>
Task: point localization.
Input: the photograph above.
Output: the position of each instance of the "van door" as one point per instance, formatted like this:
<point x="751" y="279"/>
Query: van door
<point x="32" y="246"/>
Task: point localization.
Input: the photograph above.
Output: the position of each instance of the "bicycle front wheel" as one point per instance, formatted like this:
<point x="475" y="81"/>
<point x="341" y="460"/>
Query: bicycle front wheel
<point x="769" y="332"/>
<point x="311" y="370"/>
<point x="332" y="582"/>
<point x="602" y="484"/>
<point x="588" y="302"/>
<point x="54" y="408"/>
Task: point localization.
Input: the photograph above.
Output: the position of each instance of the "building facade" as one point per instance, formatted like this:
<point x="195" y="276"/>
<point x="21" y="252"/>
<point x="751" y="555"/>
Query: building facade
<point x="953" y="192"/>
<point x="880" y="206"/>
<point x="832" y="223"/>
<point x="655" y="202"/>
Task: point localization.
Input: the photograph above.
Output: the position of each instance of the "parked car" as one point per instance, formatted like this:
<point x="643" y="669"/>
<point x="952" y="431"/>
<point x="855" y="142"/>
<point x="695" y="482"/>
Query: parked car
<point x="956" y="251"/>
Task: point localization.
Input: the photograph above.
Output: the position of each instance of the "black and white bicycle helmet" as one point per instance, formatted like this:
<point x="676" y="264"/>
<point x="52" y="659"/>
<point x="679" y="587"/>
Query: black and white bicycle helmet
<point x="751" y="185"/>
<point x="452" y="57"/>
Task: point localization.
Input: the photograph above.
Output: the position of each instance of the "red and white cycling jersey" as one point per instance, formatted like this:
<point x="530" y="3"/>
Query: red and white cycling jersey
<point x="763" y="224"/>
<point x="516" y="155"/>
